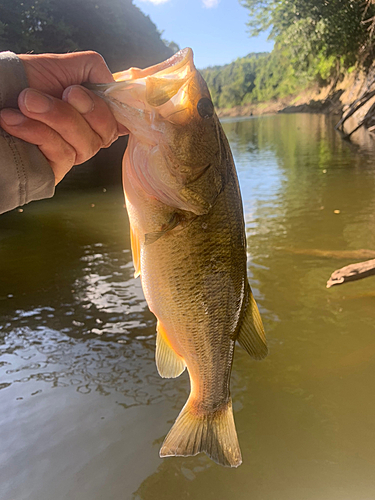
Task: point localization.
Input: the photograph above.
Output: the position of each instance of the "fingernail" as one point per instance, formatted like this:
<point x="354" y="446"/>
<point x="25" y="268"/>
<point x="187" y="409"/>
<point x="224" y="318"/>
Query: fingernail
<point x="12" y="117"/>
<point x="36" y="102"/>
<point x="79" y="99"/>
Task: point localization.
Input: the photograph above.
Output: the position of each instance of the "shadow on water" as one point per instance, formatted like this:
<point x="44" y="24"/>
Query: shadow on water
<point x="84" y="411"/>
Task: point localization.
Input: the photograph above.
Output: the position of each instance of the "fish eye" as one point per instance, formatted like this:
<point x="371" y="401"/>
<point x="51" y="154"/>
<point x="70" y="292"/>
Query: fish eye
<point x="205" y="108"/>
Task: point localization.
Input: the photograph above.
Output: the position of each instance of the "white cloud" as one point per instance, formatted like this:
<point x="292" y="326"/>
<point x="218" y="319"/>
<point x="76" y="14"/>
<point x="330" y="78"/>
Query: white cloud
<point x="156" y="2"/>
<point x="210" y="4"/>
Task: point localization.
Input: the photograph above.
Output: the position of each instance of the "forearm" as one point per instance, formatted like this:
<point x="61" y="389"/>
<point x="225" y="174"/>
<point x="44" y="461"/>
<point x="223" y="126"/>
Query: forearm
<point x="25" y="174"/>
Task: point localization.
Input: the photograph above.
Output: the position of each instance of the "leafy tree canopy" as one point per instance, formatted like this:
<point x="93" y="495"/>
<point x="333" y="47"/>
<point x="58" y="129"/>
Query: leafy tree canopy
<point x="311" y="28"/>
<point x="314" y="41"/>
<point x="115" y="28"/>
<point x="254" y="78"/>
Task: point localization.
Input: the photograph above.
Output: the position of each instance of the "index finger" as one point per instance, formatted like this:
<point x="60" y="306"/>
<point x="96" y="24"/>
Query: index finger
<point x="52" y="73"/>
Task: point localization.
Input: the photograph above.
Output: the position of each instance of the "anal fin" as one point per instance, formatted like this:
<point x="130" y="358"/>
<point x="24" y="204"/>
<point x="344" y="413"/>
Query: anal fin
<point x="252" y="336"/>
<point x="168" y="363"/>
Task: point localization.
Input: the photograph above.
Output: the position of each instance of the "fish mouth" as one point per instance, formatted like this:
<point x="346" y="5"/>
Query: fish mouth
<point x="182" y="60"/>
<point x="163" y="94"/>
<point x="157" y="85"/>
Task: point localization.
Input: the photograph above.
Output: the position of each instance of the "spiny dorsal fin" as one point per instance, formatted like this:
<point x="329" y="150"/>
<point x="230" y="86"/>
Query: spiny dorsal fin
<point x="136" y="251"/>
<point x="168" y="363"/>
<point x="252" y="336"/>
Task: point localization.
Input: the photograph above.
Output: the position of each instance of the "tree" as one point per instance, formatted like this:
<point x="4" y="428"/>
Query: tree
<point x="115" y="28"/>
<point x="313" y="28"/>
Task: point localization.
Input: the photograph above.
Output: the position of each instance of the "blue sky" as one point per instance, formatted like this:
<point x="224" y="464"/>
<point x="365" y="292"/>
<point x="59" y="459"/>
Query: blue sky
<point x="215" y="29"/>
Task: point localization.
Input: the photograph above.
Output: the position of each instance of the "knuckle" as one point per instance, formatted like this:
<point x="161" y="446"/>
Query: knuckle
<point x="110" y="141"/>
<point x="96" y="144"/>
<point x="108" y="138"/>
<point x="71" y="122"/>
<point x="69" y="154"/>
<point x="79" y="159"/>
<point x="89" y="150"/>
<point x="106" y="128"/>
<point x="61" y="154"/>
<point x="95" y="57"/>
<point x="48" y="134"/>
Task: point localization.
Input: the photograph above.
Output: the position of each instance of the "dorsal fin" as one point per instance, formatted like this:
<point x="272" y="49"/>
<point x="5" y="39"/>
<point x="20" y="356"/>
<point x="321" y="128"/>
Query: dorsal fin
<point x="168" y="363"/>
<point x="252" y="336"/>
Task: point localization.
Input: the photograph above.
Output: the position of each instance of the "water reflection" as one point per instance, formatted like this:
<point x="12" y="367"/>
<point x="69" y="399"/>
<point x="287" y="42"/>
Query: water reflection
<point x="48" y="359"/>
<point x="57" y="344"/>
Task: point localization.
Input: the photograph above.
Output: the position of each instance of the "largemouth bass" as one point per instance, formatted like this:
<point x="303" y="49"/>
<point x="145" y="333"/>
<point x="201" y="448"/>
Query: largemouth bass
<point x="188" y="244"/>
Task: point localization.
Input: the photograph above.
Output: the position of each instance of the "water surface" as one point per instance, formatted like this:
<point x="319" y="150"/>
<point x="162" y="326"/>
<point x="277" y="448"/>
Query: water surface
<point x="83" y="410"/>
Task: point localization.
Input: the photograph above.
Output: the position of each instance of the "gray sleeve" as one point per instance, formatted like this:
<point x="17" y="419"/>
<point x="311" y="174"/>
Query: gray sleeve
<point x="25" y="174"/>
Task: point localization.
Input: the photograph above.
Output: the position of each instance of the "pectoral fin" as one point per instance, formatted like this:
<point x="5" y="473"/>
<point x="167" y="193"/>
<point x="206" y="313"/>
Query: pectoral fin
<point x="252" y="336"/>
<point x="168" y="363"/>
<point x="136" y="251"/>
<point x="174" y="221"/>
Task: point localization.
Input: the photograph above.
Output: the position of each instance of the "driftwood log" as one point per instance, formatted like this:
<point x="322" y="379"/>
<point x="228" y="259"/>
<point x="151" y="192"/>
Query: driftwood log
<point x="367" y="120"/>
<point x="352" y="272"/>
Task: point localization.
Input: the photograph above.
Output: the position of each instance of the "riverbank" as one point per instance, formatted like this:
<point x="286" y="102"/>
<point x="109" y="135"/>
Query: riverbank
<point x="336" y="98"/>
<point x="311" y="100"/>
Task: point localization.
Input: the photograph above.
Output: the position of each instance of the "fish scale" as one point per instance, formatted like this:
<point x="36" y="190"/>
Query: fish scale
<point x="188" y="244"/>
<point x="213" y="336"/>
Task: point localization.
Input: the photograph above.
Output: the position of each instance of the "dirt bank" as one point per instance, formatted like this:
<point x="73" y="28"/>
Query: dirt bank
<point x="311" y="100"/>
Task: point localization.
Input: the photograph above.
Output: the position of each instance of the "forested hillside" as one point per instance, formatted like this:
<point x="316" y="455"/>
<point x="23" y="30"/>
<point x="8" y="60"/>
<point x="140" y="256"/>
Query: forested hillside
<point x="115" y="28"/>
<point x="315" y="41"/>
<point x="251" y="79"/>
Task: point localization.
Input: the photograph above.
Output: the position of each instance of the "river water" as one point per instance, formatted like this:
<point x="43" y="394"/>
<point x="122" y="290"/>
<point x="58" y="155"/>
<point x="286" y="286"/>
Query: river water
<point x="83" y="411"/>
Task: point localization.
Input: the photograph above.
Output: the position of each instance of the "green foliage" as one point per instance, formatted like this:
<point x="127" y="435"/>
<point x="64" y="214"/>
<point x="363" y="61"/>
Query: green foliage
<point x="314" y="28"/>
<point x="231" y="84"/>
<point x="171" y="45"/>
<point x="251" y="79"/>
<point x="315" y="40"/>
<point x="115" y="28"/>
<point x="275" y="77"/>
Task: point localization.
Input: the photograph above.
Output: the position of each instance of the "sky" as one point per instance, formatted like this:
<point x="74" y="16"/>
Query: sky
<point x="215" y="29"/>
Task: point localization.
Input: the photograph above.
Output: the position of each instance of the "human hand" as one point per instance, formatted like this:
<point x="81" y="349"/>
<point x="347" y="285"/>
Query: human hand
<point x="67" y="122"/>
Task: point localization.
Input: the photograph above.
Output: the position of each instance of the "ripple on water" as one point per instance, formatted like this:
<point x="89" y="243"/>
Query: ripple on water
<point x="47" y="359"/>
<point x="101" y="337"/>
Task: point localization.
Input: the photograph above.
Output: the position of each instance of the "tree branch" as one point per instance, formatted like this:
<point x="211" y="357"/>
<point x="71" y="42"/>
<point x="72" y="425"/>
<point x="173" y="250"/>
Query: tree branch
<point x="352" y="272"/>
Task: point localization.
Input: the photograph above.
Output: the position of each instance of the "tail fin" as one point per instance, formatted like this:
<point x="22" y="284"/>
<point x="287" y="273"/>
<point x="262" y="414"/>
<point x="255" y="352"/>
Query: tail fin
<point x="214" y="433"/>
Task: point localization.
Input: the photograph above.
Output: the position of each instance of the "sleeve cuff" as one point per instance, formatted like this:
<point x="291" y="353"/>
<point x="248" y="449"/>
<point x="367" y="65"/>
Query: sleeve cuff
<point x="25" y="174"/>
<point x="12" y="79"/>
